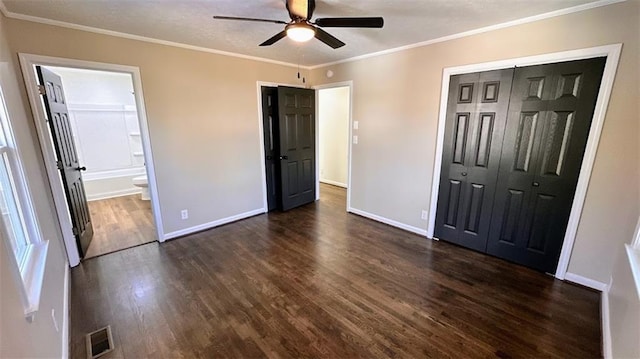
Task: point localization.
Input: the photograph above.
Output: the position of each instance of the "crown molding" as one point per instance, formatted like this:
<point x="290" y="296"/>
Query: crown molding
<point x="548" y="15"/>
<point x="123" y="35"/>
<point x="526" y="20"/>
<point x="3" y="9"/>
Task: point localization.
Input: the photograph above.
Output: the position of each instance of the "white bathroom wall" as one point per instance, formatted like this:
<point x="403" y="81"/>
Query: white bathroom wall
<point x="96" y="87"/>
<point x="106" y="131"/>
<point x="333" y="136"/>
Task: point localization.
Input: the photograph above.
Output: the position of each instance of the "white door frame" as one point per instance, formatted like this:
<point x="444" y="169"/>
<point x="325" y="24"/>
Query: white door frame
<point x="612" y="52"/>
<point x="28" y="63"/>
<point x="348" y="84"/>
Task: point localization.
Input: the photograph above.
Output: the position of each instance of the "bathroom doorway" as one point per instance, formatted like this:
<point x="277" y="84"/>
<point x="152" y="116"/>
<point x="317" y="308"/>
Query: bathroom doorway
<point x="108" y="138"/>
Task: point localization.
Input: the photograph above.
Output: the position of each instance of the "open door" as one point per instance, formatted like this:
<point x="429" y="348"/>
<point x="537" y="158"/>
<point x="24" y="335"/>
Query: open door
<point x="67" y="159"/>
<point x="296" y="118"/>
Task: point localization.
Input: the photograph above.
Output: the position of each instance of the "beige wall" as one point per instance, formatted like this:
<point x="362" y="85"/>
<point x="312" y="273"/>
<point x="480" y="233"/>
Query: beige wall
<point x="333" y="136"/>
<point x="203" y="120"/>
<point x="17" y="336"/>
<point x="396" y="98"/>
<point x="202" y="111"/>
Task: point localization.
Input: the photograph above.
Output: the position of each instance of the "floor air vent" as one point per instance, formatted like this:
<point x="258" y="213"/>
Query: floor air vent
<point x="99" y="342"/>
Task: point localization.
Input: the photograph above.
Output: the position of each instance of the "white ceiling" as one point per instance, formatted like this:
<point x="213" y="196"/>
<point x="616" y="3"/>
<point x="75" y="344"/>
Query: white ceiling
<point x="190" y="22"/>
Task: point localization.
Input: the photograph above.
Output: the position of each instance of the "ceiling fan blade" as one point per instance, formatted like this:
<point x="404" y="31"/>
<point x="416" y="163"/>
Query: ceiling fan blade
<point x="248" y="19"/>
<point x="328" y="38"/>
<point x="301" y="9"/>
<point x="368" y="22"/>
<point x="277" y="37"/>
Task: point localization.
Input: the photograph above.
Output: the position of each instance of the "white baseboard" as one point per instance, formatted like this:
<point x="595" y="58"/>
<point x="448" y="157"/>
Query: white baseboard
<point x="333" y="183"/>
<point x="606" y="326"/>
<point x="65" y="312"/>
<point x="593" y="284"/>
<point x="220" y="222"/>
<point x="112" y="194"/>
<point x="406" y="227"/>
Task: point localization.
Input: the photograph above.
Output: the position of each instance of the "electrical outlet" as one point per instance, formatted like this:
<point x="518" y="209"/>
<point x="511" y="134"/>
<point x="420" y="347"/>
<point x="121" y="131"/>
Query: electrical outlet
<point x="55" y="321"/>
<point x="184" y="214"/>
<point x="355" y="140"/>
<point x="424" y="215"/>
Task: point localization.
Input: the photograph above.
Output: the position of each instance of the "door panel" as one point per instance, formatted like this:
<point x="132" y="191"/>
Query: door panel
<point x="476" y="116"/>
<point x="509" y="225"/>
<point x="296" y="109"/>
<point x="62" y="137"/>
<point x="271" y="145"/>
<point x="291" y="132"/>
<point x="549" y="119"/>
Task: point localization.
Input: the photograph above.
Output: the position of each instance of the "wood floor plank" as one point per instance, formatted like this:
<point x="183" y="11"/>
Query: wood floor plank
<point x="318" y="282"/>
<point x="120" y="223"/>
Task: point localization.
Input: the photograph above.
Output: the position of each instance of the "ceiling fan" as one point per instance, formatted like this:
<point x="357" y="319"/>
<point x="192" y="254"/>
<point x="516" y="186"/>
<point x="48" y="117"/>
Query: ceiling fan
<point x="302" y="29"/>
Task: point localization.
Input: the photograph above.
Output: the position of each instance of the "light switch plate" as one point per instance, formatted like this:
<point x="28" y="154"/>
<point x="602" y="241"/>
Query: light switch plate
<point x="355" y="125"/>
<point x="355" y="140"/>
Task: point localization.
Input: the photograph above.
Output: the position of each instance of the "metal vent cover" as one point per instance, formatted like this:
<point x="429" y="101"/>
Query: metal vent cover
<point x="99" y="342"/>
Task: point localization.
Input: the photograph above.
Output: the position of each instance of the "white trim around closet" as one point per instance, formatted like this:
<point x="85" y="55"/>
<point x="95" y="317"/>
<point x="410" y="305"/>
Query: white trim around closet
<point x="612" y="52"/>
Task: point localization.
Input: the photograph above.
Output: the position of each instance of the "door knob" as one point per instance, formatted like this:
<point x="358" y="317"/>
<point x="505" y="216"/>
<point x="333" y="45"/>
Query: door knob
<point x="83" y="168"/>
<point x="535" y="184"/>
<point x="269" y="158"/>
<point x="464" y="174"/>
<point x="284" y="157"/>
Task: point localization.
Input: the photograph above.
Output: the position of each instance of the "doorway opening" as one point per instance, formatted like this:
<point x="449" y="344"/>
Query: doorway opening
<point x="334" y="113"/>
<point x="268" y="122"/>
<point x="107" y="139"/>
<point x="289" y="145"/>
<point x="94" y="137"/>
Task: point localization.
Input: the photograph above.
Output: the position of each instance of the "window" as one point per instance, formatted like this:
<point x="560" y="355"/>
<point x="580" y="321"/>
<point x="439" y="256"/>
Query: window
<point x="18" y="226"/>
<point x="12" y="218"/>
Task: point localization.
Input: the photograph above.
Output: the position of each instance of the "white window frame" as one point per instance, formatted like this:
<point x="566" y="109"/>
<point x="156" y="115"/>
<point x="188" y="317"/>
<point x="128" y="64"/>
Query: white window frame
<point x="28" y="270"/>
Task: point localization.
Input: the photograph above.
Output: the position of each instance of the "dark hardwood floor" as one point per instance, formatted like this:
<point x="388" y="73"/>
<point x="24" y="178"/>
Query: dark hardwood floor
<point x="120" y="223"/>
<point x="318" y="282"/>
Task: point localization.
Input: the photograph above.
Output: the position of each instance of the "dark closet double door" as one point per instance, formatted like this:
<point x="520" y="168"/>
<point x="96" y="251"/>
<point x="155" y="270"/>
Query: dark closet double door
<point x="513" y="148"/>
<point x="288" y="116"/>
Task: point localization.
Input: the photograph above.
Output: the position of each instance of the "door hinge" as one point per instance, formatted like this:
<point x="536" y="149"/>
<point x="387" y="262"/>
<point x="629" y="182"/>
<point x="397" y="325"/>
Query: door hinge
<point x="59" y="165"/>
<point x="42" y="90"/>
<point x="75" y="231"/>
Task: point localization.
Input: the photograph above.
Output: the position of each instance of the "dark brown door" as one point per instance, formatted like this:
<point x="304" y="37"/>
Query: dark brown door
<point x="296" y="113"/>
<point x="271" y="143"/>
<point x="550" y="114"/>
<point x="67" y="159"/>
<point x="476" y="116"/>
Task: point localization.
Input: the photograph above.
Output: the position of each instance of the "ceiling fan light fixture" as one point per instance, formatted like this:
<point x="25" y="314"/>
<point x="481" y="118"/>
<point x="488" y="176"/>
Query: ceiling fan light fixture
<point x="300" y="32"/>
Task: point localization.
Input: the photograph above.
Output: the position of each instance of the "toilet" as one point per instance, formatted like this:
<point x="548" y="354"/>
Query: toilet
<point x="143" y="183"/>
